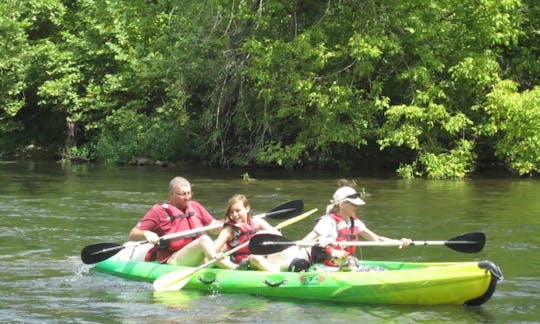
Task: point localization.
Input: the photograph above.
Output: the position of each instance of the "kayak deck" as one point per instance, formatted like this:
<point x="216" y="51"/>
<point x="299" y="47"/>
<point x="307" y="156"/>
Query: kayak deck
<point x="443" y="283"/>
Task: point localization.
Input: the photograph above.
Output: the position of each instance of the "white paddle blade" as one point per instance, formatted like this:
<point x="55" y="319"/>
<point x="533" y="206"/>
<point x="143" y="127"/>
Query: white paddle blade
<point x="172" y="281"/>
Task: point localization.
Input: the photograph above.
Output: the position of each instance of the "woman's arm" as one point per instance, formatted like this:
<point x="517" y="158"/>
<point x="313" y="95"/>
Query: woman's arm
<point x="371" y="236"/>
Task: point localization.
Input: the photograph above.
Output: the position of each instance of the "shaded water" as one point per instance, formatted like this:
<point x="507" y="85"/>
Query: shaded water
<point x="49" y="213"/>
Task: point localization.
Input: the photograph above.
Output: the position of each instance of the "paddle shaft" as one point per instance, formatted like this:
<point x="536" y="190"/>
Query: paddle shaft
<point x="98" y="252"/>
<point x="241" y="246"/>
<point x="195" y="231"/>
<point x="191" y="232"/>
<point x="369" y="243"/>
<point x="176" y="280"/>
<point x="269" y="243"/>
<point x="168" y="237"/>
<point x="199" y="230"/>
<point x="215" y="259"/>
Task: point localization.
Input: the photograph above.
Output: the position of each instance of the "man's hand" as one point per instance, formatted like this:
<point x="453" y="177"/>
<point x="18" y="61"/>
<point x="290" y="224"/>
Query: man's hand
<point x="151" y="237"/>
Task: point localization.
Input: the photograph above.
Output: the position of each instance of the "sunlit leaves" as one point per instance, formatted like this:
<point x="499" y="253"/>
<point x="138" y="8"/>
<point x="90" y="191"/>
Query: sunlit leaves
<point x="453" y="164"/>
<point x="514" y="121"/>
<point x="431" y="131"/>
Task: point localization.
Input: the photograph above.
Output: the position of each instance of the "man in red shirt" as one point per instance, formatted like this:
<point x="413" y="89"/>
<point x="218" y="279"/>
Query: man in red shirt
<point x="178" y="213"/>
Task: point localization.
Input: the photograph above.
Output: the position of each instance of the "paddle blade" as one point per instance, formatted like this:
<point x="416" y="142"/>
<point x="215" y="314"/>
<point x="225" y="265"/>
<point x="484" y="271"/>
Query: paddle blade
<point x="286" y="210"/>
<point x="467" y="243"/>
<point x="98" y="252"/>
<point x="173" y="281"/>
<point x="262" y="244"/>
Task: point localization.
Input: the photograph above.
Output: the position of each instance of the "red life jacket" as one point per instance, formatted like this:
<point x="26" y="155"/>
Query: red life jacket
<point x="179" y="222"/>
<point x="241" y="233"/>
<point x="345" y="233"/>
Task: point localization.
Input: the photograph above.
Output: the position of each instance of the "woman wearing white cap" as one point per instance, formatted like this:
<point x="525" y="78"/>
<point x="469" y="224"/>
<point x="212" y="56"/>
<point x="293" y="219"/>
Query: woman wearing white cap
<point x="341" y="224"/>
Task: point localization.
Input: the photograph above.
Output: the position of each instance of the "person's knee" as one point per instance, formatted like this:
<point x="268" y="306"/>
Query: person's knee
<point x="254" y="259"/>
<point x="205" y="240"/>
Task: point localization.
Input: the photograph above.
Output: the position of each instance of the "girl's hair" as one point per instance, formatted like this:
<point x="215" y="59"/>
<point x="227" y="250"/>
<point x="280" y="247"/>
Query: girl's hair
<point x="234" y="199"/>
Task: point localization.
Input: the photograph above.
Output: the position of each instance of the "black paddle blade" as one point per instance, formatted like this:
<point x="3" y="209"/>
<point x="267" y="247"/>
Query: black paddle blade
<point x="98" y="252"/>
<point x="467" y="243"/>
<point x="286" y="210"/>
<point x="262" y="244"/>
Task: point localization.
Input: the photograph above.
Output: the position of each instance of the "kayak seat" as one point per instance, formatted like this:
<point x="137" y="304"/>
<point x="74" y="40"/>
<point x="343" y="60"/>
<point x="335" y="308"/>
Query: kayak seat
<point x="299" y="265"/>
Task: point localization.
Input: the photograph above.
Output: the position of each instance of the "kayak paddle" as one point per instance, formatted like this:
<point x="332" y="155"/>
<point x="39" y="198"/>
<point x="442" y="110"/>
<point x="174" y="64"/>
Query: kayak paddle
<point x="176" y="280"/>
<point x="101" y="251"/>
<point x="269" y="243"/>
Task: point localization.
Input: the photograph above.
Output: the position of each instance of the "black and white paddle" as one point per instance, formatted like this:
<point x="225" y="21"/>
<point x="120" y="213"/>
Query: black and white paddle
<point x="101" y="251"/>
<point x="263" y="244"/>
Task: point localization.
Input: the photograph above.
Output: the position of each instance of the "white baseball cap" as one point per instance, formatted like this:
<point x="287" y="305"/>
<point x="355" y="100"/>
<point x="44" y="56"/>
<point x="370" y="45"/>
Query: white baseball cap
<point x="347" y="194"/>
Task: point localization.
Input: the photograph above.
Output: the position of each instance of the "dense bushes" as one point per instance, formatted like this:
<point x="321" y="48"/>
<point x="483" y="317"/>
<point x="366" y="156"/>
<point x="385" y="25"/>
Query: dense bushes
<point x="431" y="89"/>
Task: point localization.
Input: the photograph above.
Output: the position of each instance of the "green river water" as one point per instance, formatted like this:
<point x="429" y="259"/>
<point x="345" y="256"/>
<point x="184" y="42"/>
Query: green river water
<point x="49" y="212"/>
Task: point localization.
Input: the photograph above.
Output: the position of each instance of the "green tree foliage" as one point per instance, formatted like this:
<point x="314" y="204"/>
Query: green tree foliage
<point x="396" y="73"/>
<point x="514" y="125"/>
<point x="432" y="87"/>
<point x="27" y="31"/>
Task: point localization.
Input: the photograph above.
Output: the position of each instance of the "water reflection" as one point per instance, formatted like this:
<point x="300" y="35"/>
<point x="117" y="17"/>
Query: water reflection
<point x="182" y="299"/>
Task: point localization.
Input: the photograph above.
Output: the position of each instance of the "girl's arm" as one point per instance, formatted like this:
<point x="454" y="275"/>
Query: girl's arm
<point x="264" y="225"/>
<point x="224" y="236"/>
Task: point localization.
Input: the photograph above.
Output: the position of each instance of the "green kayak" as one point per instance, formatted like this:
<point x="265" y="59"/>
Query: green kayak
<point x="414" y="283"/>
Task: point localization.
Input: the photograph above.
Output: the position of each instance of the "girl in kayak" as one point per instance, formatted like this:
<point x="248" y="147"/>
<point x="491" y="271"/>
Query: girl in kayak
<point x="341" y="224"/>
<point x="238" y="228"/>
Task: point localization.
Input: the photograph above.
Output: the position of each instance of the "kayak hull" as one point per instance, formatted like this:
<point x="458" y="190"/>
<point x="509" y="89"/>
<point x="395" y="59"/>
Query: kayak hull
<point x="412" y="283"/>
